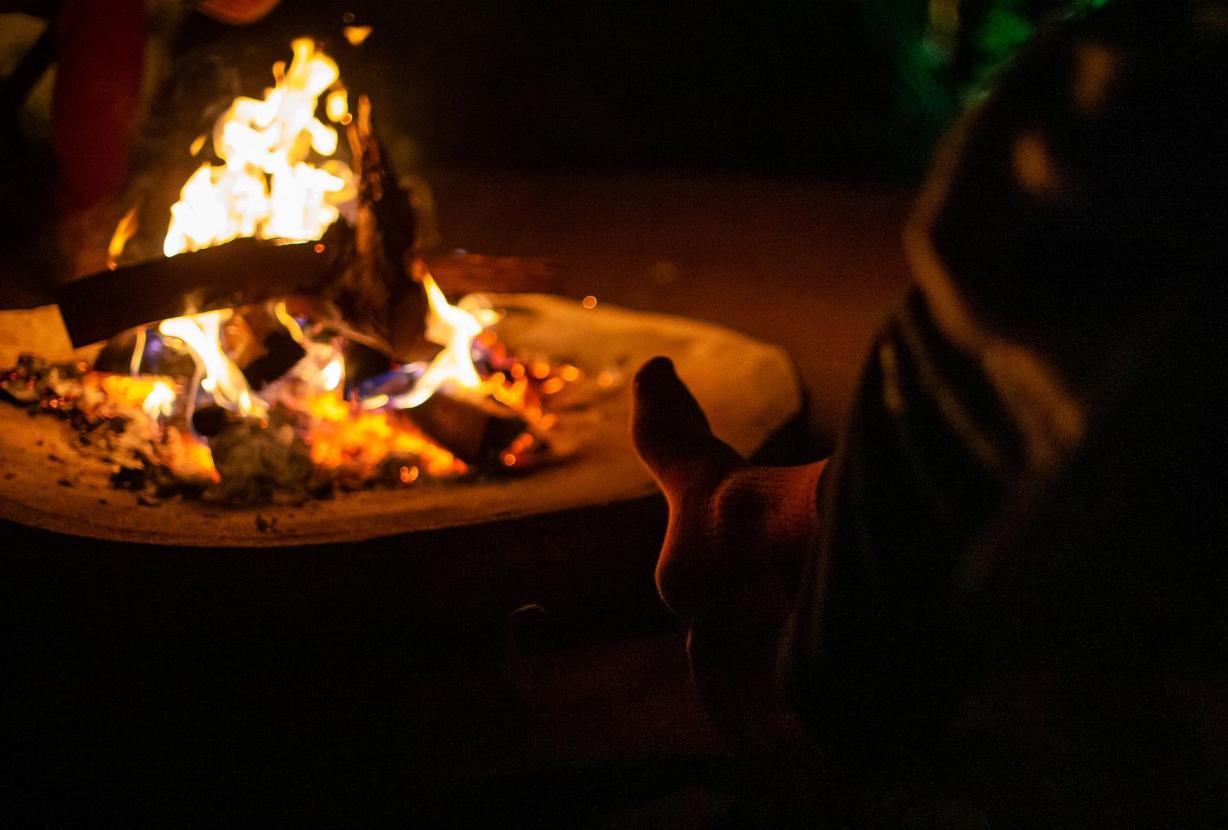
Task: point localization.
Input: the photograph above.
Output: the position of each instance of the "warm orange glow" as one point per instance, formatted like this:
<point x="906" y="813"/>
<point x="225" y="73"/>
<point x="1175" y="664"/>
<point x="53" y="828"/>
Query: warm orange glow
<point x="278" y="180"/>
<point x="188" y="457"/>
<point x="266" y="187"/>
<point x="200" y="335"/>
<point x="185" y="455"/>
<point x="124" y="231"/>
<point x="160" y="401"/>
<point x="341" y="436"/>
<point x="455" y="329"/>
<point x="129" y="391"/>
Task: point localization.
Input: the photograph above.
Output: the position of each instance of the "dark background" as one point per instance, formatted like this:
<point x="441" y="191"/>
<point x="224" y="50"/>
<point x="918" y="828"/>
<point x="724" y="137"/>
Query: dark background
<point x="782" y="87"/>
<point x="747" y="164"/>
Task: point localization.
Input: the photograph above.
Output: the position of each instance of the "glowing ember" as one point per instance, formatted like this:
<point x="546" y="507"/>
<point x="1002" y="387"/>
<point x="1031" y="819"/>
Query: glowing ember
<point x="129" y="391"/>
<point x="361" y="441"/>
<point x="277" y="179"/>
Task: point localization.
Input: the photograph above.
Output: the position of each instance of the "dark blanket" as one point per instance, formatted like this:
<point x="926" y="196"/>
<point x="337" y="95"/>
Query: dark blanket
<point x="1017" y="609"/>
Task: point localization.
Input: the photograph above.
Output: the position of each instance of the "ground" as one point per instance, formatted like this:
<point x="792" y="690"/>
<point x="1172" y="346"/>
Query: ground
<point x="808" y="265"/>
<point x="553" y="726"/>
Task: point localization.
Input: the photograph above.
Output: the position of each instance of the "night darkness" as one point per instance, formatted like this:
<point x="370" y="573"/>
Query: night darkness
<point x="1010" y="574"/>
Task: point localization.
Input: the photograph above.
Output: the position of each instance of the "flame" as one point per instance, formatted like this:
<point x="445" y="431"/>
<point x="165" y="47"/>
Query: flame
<point x="337" y="106"/>
<point x="124" y="231"/>
<point x="200" y="334"/>
<point x="357" y="35"/>
<point x="342" y="436"/>
<point x="160" y="401"/>
<point x="265" y="186"/>
<point x="289" y="323"/>
<point x="138" y="351"/>
<point x="332" y="374"/>
<point x="130" y="391"/>
<point x="455" y="329"/>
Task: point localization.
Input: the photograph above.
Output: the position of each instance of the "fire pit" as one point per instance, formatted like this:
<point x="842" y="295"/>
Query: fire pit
<point x="175" y="644"/>
<point x="292" y="356"/>
<point x="748" y="388"/>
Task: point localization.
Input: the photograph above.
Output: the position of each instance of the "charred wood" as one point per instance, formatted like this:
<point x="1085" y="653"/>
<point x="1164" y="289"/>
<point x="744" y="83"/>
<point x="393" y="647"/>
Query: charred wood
<point x="376" y="293"/>
<point x="362" y="274"/>
<point x="475" y="430"/>
<point x="242" y="272"/>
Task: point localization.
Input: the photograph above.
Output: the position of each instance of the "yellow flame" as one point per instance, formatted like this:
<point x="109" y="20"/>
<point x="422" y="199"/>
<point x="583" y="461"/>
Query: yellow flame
<point x="289" y="323"/>
<point x="266" y="187"/>
<point x="336" y="105"/>
<point x="160" y="401"/>
<point x="200" y="334"/>
<point x="138" y="352"/>
<point x="455" y="329"/>
<point x="123" y="232"/>
<point x="333" y="374"/>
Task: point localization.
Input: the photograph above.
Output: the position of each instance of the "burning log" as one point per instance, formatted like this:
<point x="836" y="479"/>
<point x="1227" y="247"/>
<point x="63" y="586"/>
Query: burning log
<point x="476" y="430"/>
<point x="273" y="368"/>
<point x="241" y="272"/>
<point x="377" y="294"/>
<point x="364" y="272"/>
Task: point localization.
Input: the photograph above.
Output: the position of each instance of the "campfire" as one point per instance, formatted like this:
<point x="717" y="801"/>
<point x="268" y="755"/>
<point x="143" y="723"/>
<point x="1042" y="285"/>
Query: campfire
<point x="291" y="343"/>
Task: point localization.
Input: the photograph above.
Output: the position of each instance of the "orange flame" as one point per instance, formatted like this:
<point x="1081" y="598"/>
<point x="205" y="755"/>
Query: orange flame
<point x="265" y="187"/>
<point x="127" y="227"/>
<point x="341" y="436"/>
<point x="200" y="334"/>
<point x="455" y="329"/>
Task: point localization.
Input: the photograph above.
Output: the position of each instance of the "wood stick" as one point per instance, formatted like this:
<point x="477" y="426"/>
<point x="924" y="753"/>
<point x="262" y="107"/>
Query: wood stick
<point x="238" y="273"/>
<point x="474" y="430"/>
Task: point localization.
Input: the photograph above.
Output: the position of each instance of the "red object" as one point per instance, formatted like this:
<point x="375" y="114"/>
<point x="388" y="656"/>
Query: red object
<point x="236" y="12"/>
<point x="101" y="59"/>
